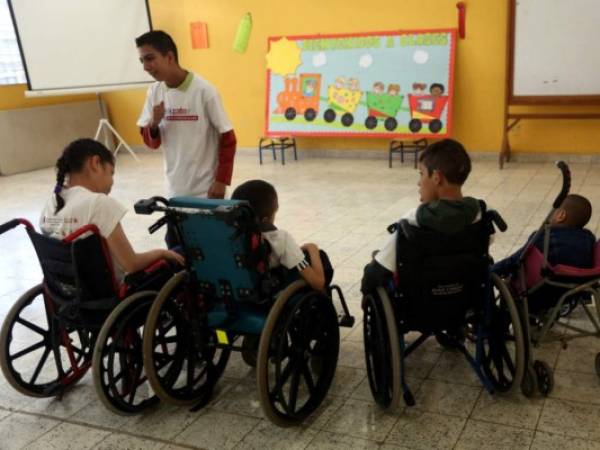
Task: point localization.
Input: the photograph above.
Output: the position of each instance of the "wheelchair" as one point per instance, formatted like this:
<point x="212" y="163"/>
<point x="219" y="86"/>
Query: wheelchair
<point x="227" y="299"/>
<point x="49" y="335"/>
<point x="442" y="288"/>
<point x="548" y="295"/>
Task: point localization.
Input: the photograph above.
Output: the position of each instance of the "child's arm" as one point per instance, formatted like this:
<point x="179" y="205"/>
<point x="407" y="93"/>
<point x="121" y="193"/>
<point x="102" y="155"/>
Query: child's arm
<point x="121" y="249"/>
<point x="313" y="274"/>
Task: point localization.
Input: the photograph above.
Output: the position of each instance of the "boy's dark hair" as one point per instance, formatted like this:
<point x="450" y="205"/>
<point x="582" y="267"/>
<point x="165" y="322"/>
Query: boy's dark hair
<point x="73" y="159"/>
<point x="261" y="195"/>
<point x="450" y="158"/>
<point x="160" y="40"/>
<point x="578" y="209"/>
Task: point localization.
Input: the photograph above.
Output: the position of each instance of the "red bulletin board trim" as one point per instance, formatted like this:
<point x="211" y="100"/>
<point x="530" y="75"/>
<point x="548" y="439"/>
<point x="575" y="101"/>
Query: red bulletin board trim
<point x="453" y="33"/>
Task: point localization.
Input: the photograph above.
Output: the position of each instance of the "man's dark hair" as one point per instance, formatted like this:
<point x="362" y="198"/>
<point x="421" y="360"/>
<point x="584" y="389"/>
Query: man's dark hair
<point x="261" y="195"/>
<point x="161" y="41"/>
<point x="578" y="209"/>
<point x="450" y="158"/>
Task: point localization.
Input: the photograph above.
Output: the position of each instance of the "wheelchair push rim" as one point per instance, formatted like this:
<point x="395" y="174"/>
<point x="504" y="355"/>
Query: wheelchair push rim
<point x="382" y="350"/>
<point x="59" y="355"/>
<point x="119" y="376"/>
<point x="504" y="344"/>
<point x="297" y="354"/>
<point x="182" y="358"/>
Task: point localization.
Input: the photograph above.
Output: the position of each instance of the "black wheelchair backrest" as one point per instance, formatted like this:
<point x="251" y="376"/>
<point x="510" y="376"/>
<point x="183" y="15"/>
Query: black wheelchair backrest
<point x="77" y="274"/>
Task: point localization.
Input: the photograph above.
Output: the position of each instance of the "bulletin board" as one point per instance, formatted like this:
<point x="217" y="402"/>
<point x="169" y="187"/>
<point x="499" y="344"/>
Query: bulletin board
<point x="394" y="84"/>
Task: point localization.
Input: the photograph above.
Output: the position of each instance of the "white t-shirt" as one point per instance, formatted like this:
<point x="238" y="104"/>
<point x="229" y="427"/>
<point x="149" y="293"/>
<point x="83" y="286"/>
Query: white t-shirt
<point x="82" y="207"/>
<point x="190" y="133"/>
<point x="387" y="255"/>
<point x="285" y="251"/>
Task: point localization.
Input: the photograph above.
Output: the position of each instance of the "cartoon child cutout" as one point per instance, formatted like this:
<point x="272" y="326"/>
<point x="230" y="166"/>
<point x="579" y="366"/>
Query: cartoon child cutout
<point x="436" y="89"/>
<point x="378" y="87"/>
<point x="419" y="88"/>
<point x="354" y="84"/>
<point x="393" y="89"/>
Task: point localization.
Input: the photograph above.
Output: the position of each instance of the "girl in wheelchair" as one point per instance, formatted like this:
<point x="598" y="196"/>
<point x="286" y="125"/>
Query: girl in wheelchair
<point x="311" y="263"/>
<point x="84" y="178"/>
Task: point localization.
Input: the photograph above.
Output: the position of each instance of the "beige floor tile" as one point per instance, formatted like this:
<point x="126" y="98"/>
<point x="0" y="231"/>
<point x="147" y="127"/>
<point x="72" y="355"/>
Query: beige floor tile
<point x="578" y="358"/>
<point x="163" y="423"/>
<point x="241" y="398"/>
<point x="547" y="441"/>
<point x="487" y="436"/>
<point x="362" y="419"/>
<point x="326" y="440"/>
<point x="445" y="398"/>
<point x="426" y="431"/>
<point x="452" y="367"/>
<point x="346" y="380"/>
<point x="18" y="430"/>
<point x="572" y="419"/>
<point x="67" y="436"/>
<point x="576" y="386"/>
<point x="514" y="410"/>
<point x="268" y="435"/>
<point x="125" y="442"/>
<point x="217" y="430"/>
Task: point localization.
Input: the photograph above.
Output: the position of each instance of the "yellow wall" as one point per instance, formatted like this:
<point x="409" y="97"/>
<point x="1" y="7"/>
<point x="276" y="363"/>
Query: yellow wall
<point x="480" y="66"/>
<point x="13" y="97"/>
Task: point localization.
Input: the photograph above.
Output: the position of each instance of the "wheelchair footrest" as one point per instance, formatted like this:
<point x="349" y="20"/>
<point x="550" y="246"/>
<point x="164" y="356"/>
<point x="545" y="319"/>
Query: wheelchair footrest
<point x="346" y="320"/>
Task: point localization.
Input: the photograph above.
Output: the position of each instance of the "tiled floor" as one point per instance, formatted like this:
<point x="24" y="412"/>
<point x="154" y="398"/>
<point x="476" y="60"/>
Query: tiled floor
<point x="344" y="206"/>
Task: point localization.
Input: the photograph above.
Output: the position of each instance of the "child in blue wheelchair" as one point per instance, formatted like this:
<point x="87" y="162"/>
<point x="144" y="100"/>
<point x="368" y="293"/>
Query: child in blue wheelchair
<point x="311" y="263"/>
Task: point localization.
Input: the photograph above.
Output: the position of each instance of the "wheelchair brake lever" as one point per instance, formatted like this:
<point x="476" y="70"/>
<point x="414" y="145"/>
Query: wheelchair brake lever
<point x="148" y="205"/>
<point x="498" y="220"/>
<point x="156" y="225"/>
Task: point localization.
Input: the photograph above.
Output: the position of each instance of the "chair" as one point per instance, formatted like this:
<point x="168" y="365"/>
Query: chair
<point x="402" y="147"/>
<point x="277" y="143"/>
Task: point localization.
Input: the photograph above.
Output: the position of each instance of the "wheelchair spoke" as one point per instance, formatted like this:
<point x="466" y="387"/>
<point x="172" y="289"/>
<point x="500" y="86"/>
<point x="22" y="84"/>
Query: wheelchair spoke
<point x="294" y="387"/>
<point x="39" y="366"/>
<point x="308" y="377"/>
<point x="285" y="374"/>
<point x="32" y="326"/>
<point x="27" y="350"/>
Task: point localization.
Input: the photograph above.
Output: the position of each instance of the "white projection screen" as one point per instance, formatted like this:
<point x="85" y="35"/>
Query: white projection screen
<point x="76" y="46"/>
<point x="555" y="50"/>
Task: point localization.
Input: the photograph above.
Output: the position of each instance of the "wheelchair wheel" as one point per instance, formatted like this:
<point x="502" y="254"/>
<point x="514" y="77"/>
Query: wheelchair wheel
<point x="529" y="382"/>
<point x="119" y="376"/>
<point x="297" y="354"/>
<point x="181" y="357"/>
<point x="382" y="349"/>
<point x="504" y="345"/>
<point x="544" y="377"/>
<point x="39" y="356"/>
<point x="250" y="349"/>
<point x="597" y="364"/>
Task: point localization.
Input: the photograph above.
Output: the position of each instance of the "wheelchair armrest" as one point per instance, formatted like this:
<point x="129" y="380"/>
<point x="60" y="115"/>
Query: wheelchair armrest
<point x="9" y="225"/>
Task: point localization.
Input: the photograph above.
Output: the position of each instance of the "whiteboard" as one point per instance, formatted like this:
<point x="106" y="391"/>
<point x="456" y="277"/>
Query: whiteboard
<point x="80" y="45"/>
<point x="556" y="48"/>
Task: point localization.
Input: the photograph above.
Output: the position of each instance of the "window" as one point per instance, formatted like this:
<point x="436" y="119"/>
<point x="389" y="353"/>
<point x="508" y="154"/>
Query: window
<point x="11" y="68"/>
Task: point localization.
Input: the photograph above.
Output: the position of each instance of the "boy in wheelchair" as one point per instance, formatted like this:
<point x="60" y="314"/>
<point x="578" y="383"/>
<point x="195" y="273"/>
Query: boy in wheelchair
<point x="311" y="263"/>
<point x="432" y="277"/>
<point x="443" y="168"/>
<point x="569" y="244"/>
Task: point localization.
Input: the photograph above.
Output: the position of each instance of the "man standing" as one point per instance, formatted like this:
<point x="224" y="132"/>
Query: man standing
<point x="183" y="112"/>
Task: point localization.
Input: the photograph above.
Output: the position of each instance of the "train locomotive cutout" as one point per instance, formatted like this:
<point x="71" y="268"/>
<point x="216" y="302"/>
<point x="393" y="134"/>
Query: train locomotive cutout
<point x="355" y="84"/>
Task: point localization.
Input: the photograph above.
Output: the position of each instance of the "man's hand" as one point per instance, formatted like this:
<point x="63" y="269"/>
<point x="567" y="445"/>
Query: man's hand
<point x="158" y="112"/>
<point x="217" y="190"/>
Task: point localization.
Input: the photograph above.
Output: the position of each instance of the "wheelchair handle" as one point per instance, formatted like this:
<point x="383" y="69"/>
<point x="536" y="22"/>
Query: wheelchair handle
<point x="566" y="185"/>
<point x="149" y="205"/>
<point x="498" y="220"/>
<point x="14" y="223"/>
